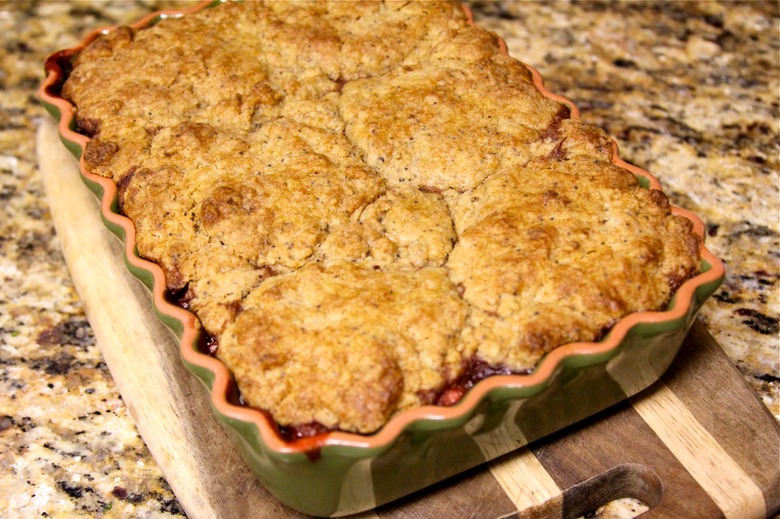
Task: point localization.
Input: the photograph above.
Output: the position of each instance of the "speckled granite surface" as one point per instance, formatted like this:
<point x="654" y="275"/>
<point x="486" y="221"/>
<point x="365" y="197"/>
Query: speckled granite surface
<point x="689" y="90"/>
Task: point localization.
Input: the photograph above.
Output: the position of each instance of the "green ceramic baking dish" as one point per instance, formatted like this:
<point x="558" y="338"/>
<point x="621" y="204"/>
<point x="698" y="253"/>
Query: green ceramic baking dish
<point x="339" y="473"/>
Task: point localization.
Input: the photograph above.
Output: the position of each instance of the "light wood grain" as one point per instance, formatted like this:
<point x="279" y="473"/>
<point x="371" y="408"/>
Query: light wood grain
<point x="650" y="447"/>
<point x="528" y="484"/>
<point x="168" y="405"/>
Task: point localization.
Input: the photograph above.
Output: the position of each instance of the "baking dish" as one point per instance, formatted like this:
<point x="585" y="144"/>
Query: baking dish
<point x="339" y="473"/>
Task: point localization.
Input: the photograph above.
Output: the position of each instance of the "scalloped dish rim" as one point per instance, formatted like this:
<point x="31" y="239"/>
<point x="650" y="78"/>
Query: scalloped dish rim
<point x="221" y="382"/>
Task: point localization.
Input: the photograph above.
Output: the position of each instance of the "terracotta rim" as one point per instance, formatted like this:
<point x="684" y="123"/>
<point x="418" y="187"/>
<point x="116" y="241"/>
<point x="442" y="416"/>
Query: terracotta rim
<point x="222" y="379"/>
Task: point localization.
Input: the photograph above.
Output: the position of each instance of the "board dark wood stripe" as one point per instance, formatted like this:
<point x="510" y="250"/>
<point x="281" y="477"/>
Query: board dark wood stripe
<point x="473" y="494"/>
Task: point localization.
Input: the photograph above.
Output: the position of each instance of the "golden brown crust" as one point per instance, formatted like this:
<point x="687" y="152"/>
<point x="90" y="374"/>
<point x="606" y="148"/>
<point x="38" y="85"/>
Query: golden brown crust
<point x="344" y="345"/>
<point x="358" y="198"/>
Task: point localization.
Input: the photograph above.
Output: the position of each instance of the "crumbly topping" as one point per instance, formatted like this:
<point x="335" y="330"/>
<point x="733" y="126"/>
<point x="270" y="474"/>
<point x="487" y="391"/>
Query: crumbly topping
<point x="357" y="199"/>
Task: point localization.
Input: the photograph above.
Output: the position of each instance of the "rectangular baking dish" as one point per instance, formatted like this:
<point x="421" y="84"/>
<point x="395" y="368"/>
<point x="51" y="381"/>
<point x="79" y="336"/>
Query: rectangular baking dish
<point x="340" y="473"/>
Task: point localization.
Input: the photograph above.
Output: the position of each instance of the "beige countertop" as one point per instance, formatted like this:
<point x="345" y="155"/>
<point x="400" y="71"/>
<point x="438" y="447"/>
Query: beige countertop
<point x="688" y="89"/>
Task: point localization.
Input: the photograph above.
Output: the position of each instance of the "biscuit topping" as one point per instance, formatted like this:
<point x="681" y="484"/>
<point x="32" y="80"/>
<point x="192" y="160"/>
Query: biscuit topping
<point x="360" y="200"/>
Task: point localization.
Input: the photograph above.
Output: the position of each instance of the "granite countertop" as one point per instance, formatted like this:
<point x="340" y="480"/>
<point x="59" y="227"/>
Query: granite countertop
<point x="688" y="89"/>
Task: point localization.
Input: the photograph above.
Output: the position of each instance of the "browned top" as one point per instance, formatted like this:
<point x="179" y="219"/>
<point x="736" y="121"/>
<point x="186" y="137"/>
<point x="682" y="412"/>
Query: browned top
<point x="359" y="198"/>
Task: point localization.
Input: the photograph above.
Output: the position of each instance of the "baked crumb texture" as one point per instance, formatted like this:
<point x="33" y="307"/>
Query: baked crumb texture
<point x="359" y="198"/>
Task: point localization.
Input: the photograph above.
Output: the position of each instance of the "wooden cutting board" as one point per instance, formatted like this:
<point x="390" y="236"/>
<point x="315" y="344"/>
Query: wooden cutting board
<point x="697" y="444"/>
